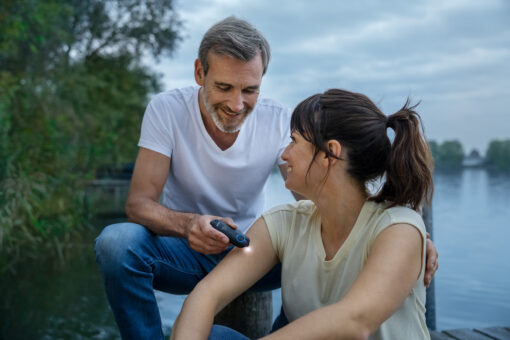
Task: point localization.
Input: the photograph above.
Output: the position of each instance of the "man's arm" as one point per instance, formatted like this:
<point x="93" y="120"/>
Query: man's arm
<point x="142" y="207"/>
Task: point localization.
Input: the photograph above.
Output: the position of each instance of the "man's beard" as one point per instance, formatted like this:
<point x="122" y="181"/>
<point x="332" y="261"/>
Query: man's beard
<point x="213" y="112"/>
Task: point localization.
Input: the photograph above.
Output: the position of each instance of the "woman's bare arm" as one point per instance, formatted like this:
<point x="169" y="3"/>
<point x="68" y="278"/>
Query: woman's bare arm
<point x="237" y="272"/>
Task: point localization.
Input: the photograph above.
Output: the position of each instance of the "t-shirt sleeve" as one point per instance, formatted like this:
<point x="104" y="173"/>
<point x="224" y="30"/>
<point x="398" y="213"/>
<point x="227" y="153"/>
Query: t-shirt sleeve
<point x="156" y="133"/>
<point x="285" y="130"/>
<point x="403" y="215"/>
<point x="278" y="222"/>
<point x="398" y="215"/>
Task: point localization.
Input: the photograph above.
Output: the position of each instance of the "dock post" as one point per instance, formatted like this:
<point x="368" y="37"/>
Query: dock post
<point x="250" y="314"/>
<point x="430" y="314"/>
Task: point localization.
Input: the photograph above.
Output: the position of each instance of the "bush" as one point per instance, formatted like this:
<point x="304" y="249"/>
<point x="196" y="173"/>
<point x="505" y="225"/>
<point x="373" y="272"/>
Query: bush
<point x="72" y="94"/>
<point x="498" y="154"/>
<point x="447" y="155"/>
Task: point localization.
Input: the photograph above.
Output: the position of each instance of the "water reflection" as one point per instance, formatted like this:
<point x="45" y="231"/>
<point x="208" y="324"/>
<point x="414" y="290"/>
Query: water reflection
<point x="472" y="228"/>
<point x="50" y="300"/>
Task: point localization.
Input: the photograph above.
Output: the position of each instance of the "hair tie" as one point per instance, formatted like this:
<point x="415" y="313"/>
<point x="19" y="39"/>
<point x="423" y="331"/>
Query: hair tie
<point x="389" y="122"/>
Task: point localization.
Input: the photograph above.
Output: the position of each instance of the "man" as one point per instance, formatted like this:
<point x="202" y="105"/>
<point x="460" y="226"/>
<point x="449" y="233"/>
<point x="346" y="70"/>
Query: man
<point x="207" y="151"/>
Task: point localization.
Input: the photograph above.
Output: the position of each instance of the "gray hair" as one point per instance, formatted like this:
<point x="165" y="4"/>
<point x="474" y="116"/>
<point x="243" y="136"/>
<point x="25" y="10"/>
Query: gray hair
<point x="235" y="38"/>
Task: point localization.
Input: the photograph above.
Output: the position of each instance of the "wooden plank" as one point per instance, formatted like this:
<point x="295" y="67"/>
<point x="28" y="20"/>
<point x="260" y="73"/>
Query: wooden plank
<point x="466" y="334"/>
<point x="251" y="314"/>
<point x="499" y="333"/>
<point x="434" y="335"/>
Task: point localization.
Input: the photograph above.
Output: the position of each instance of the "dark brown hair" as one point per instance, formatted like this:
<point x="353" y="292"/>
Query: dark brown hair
<point x="360" y="127"/>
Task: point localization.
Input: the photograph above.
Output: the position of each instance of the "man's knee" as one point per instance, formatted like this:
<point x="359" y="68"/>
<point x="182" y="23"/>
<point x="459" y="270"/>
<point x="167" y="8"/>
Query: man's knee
<point x="117" y="242"/>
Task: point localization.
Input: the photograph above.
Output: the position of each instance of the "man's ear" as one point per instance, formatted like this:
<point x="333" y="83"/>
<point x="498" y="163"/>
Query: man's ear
<point x="199" y="72"/>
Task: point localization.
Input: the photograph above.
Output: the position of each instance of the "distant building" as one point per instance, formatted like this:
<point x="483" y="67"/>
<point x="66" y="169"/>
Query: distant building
<point x="473" y="160"/>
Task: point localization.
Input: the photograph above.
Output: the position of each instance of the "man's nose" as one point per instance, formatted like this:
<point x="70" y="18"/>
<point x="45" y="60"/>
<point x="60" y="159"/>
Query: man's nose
<point x="236" y="102"/>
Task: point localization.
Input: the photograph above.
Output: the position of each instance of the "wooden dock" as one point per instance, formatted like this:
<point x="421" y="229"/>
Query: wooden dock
<point x="498" y="333"/>
<point x="106" y="197"/>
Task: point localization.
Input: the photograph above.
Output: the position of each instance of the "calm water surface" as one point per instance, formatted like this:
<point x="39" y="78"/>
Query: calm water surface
<point x="472" y="233"/>
<point x="48" y="300"/>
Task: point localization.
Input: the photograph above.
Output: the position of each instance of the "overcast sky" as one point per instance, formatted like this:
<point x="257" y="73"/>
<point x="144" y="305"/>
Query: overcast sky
<point x="452" y="55"/>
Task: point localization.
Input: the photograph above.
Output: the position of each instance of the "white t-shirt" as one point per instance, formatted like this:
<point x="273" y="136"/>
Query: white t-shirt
<point x="309" y="282"/>
<point x="203" y="178"/>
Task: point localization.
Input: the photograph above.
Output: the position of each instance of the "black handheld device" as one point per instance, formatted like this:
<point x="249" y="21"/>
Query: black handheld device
<point x="237" y="238"/>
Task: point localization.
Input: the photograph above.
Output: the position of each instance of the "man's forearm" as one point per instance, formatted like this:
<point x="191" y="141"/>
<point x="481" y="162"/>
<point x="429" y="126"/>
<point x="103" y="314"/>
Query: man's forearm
<point x="158" y="218"/>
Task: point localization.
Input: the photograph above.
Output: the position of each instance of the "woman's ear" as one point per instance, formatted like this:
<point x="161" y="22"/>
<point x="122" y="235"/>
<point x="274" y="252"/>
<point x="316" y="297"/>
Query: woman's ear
<point x="335" y="149"/>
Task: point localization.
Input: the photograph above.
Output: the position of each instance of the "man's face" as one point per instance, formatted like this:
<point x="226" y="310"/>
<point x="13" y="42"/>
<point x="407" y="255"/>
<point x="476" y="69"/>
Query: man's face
<point x="229" y="89"/>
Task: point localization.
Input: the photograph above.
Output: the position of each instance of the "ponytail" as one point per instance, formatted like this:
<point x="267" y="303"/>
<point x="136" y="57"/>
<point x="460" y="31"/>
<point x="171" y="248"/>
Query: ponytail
<point x="361" y="128"/>
<point x="409" y="164"/>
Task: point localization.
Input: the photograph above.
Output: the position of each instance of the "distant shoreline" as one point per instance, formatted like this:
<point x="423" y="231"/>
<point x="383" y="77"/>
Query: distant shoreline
<point x="487" y="167"/>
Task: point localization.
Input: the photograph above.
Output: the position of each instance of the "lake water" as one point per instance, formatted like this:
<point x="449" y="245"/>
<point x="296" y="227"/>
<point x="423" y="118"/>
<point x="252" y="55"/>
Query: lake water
<point x="472" y="233"/>
<point x="471" y="216"/>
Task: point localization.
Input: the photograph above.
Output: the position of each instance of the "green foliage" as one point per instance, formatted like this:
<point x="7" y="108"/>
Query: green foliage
<point x="72" y="94"/>
<point x="434" y="150"/>
<point x="447" y="155"/>
<point x="498" y="154"/>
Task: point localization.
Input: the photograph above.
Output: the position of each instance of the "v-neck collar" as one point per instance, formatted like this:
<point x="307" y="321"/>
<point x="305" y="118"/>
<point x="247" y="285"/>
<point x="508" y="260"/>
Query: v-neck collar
<point x="361" y="221"/>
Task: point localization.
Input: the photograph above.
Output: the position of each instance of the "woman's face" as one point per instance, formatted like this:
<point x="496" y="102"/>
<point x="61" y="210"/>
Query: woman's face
<point x="299" y="155"/>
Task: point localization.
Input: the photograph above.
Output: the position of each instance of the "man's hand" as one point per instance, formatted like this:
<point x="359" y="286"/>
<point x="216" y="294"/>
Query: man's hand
<point x="203" y="238"/>
<point x="431" y="263"/>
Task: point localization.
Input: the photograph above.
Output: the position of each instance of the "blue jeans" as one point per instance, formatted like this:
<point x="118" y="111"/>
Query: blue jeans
<point x="133" y="262"/>
<point x="219" y="332"/>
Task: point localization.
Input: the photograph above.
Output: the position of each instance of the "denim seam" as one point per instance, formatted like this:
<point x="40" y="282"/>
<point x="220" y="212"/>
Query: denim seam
<point x="150" y="262"/>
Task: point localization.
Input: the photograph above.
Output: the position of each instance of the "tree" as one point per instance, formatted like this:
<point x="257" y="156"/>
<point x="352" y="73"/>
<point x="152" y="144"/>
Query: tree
<point x="498" y="154"/>
<point x="474" y="153"/>
<point x="451" y="154"/>
<point x="447" y="155"/>
<point x="72" y="93"/>
<point x="434" y="150"/>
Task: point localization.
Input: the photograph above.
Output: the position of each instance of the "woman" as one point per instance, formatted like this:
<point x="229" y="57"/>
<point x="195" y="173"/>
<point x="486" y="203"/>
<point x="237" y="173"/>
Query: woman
<point x="352" y="263"/>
